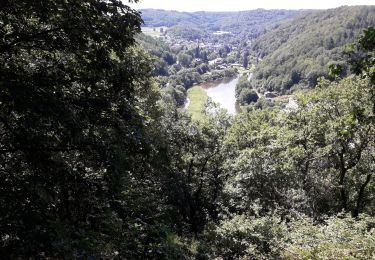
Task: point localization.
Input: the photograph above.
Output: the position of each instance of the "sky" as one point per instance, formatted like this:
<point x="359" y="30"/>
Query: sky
<point x="241" y="5"/>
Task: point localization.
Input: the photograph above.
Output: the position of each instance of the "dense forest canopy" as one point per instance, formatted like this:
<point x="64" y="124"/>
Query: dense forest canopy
<point x="296" y="53"/>
<point x="253" y="21"/>
<point x="99" y="159"/>
<point x="75" y="125"/>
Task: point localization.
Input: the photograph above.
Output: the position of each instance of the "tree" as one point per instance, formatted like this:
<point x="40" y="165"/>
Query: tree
<point x="184" y="59"/>
<point x="195" y="179"/>
<point x="362" y="58"/>
<point x="169" y="58"/>
<point x="242" y="84"/>
<point x="293" y="47"/>
<point x="248" y="96"/>
<point x="76" y="123"/>
<point x="197" y="52"/>
<point x="178" y="94"/>
<point x="322" y="150"/>
<point x="204" y="56"/>
<point x="245" y="60"/>
<point x="345" y="133"/>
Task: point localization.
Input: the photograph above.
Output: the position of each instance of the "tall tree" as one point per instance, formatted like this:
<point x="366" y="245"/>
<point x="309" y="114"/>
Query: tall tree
<point x="75" y="99"/>
<point x="196" y="178"/>
<point x="245" y="62"/>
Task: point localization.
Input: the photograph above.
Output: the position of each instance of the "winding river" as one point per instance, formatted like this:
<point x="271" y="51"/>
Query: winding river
<point x="223" y="92"/>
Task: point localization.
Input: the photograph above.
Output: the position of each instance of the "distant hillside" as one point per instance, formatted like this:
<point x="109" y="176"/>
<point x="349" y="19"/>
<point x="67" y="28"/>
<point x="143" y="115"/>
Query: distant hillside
<point x="252" y="22"/>
<point x="298" y="51"/>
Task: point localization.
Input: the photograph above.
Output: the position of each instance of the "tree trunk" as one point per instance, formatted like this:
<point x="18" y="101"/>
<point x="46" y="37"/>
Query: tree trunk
<point x="342" y="183"/>
<point x="360" y="197"/>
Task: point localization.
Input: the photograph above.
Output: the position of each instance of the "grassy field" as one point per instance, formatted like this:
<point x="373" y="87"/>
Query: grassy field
<point x="198" y="98"/>
<point x="153" y="31"/>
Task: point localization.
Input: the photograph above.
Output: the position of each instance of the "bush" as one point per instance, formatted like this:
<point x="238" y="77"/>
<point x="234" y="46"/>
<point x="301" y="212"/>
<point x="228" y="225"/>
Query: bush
<point x="269" y="237"/>
<point x="341" y="237"/>
<point x="248" y="96"/>
<point x="243" y="237"/>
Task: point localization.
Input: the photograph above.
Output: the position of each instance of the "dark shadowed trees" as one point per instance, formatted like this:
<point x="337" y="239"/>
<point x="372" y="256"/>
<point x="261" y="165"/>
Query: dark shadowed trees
<point x="76" y="115"/>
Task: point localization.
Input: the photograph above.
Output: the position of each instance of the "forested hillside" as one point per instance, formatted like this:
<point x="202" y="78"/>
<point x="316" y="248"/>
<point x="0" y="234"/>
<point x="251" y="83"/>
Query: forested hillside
<point x="193" y="48"/>
<point x="99" y="160"/>
<point x="251" y="23"/>
<point x="299" y="51"/>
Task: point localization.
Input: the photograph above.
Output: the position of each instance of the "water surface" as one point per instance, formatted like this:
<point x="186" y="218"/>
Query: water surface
<point x="224" y="93"/>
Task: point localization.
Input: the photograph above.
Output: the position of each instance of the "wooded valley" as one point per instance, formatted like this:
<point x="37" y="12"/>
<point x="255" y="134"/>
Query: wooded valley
<point x="101" y="156"/>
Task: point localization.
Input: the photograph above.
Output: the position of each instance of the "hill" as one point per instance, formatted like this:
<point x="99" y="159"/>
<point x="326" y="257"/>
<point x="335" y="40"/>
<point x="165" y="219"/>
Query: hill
<point x="251" y="22"/>
<point x="297" y="52"/>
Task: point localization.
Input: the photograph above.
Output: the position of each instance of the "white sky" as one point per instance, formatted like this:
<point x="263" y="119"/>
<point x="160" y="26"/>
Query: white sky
<point x="241" y="5"/>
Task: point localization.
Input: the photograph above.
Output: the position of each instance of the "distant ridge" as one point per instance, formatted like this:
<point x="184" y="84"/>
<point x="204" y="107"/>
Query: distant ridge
<point x="216" y="21"/>
<point x="298" y="51"/>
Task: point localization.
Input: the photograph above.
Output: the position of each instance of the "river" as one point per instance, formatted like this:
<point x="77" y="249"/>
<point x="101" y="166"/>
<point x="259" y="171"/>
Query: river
<point x="223" y="92"/>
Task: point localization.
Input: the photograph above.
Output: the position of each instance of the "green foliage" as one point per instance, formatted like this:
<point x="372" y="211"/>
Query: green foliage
<point x="323" y="147"/>
<point x="243" y="237"/>
<point x="245" y="22"/>
<point x="187" y="31"/>
<point x="184" y="59"/>
<point x="77" y="120"/>
<point x="298" y="52"/>
<point x="242" y="84"/>
<point x="246" y="60"/>
<point x="177" y="94"/>
<point x="195" y="177"/>
<point x="248" y="96"/>
<point x="160" y="50"/>
<point x="340" y="237"/>
<point x="362" y="55"/>
<point x="193" y="56"/>
<point x="97" y="162"/>
<point x="269" y="237"/>
<point x="186" y="78"/>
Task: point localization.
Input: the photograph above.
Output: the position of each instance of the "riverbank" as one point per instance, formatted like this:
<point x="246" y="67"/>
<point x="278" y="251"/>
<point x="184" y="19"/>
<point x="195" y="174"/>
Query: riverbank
<point x="198" y="97"/>
<point x="221" y="92"/>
